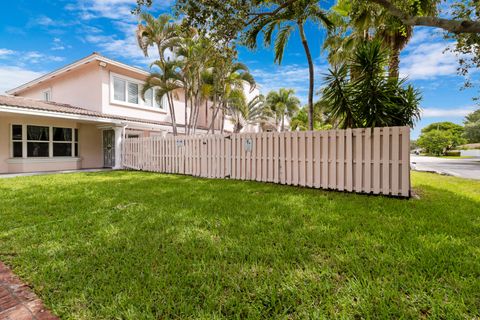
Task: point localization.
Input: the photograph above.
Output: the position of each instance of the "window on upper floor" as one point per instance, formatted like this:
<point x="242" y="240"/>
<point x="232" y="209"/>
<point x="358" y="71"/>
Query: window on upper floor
<point x="128" y="91"/>
<point x="47" y="95"/>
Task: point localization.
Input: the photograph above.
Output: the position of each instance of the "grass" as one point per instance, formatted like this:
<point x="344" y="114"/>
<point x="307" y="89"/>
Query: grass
<point x="133" y="245"/>
<point x="448" y="157"/>
<point x="456" y="157"/>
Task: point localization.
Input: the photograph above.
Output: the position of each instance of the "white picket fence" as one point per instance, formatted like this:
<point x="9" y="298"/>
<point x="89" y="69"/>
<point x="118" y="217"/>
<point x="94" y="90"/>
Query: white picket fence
<point x="375" y="161"/>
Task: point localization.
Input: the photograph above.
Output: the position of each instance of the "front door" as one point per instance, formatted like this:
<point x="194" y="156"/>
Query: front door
<point x="108" y="148"/>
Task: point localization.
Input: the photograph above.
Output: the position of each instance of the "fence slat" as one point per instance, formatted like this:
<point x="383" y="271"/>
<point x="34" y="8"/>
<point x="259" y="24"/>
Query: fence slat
<point x="386" y="161"/>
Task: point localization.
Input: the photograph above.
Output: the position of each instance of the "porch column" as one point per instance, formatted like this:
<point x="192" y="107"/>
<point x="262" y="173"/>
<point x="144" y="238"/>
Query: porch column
<point x="118" y="147"/>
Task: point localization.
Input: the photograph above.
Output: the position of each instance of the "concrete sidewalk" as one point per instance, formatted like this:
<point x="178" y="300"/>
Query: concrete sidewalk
<point x="13" y="175"/>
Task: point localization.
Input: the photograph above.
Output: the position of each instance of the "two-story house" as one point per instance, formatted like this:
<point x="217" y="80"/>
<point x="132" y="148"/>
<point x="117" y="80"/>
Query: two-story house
<point x="77" y="116"/>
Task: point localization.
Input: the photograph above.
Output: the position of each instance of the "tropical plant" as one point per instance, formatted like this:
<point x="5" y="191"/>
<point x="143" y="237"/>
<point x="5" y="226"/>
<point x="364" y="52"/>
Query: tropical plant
<point x="242" y="113"/>
<point x="225" y="20"/>
<point x="371" y="99"/>
<point x="472" y="127"/>
<point x="205" y="71"/>
<point x="160" y="32"/>
<point x="356" y="21"/>
<point x="194" y="52"/>
<point x="283" y="103"/>
<point x="299" y="122"/>
<point x="293" y="18"/>
<point x="322" y="120"/>
<point x="167" y="79"/>
<point x="230" y="77"/>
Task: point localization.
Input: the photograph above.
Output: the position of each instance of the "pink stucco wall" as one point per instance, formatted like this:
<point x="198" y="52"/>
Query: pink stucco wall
<point x="79" y="87"/>
<point x="89" y="87"/>
<point x="90" y="146"/>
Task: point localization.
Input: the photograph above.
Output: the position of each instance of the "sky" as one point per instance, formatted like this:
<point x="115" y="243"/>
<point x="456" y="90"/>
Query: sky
<point x="38" y="36"/>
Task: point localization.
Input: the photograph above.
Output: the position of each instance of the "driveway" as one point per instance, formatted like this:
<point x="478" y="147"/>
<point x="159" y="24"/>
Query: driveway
<point x="463" y="168"/>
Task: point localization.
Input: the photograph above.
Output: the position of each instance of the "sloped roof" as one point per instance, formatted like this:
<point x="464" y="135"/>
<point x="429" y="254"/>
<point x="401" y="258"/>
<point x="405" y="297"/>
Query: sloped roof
<point x="32" y="104"/>
<point x="92" y="57"/>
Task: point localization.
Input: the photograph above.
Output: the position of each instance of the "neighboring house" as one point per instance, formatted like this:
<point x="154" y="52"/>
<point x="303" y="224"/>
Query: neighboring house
<point x="77" y="116"/>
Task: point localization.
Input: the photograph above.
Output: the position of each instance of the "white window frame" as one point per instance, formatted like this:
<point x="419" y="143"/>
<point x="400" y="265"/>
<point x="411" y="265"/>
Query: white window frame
<point x="50" y="142"/>
<point x="142" y="104"/>
<point x="47" y="95"/>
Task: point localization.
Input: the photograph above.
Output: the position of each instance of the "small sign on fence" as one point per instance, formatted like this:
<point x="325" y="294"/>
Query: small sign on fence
<point x="248" y="145"/>
<point x="180" y="143"/>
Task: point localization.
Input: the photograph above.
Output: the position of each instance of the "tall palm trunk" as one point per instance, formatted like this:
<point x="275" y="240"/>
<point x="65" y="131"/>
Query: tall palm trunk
<point x="172" y="113"/>
<point x="283" y="122"/>
<point x="223" y="118"/>
<point x="186" y="110"/>
<point x="215" y="109"/>
<point x="394" y="63"/>
<point x="310" y="74"/>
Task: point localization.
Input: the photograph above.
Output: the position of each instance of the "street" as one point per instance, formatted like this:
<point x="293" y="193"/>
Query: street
<point x="463" y="168"/>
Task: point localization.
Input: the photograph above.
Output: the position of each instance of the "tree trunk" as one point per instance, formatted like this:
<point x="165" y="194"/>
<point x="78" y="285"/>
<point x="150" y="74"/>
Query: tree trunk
<point x="310" y="73"/>
<point x="190" y="118"/>
<point x="216" y="108"/>
<point x="283" y="123"/>
<point x="186" y="111"/>
<point x="172" y="114"/>
<point x="394" y="64"/>
<point x="197" y="112"/>
<point x="223" y="119"/>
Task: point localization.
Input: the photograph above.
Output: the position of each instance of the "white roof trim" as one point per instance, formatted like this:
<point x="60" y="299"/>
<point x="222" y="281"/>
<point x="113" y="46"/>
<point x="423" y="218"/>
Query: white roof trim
<point x="79" y="117"/>
<point x="88" y="59"/>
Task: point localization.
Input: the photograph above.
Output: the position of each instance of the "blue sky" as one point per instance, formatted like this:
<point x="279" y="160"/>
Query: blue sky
<point x="38" y="36"/>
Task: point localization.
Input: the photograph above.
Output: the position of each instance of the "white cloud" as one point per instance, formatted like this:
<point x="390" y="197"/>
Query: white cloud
<point x="33" y="57"/>
<point x="292" y="76"/>
<point x="122" y="44"/>
<point x="11" y="77"/>
<point x="110" y="9"/>
<point x="441" y="112"/>
<point x="5" y="52"/>
<point x="57" y="45"/>
<point x="427" y="57"/>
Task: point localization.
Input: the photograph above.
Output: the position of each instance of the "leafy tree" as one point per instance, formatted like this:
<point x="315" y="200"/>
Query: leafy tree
<point x="242" y="113"/>
<point x="205" y="70"/>
<point x="372" y="98"/>
<point x="225" y="20"/>
<point x="436" y="142"/>
<point x="294" y="17"/>
<point x="160" y="32"/>
<point x="472" y="127"/>
<point x="300" y="120"/>
<point x="283" y="103"/>
<point x="456" y="131"/>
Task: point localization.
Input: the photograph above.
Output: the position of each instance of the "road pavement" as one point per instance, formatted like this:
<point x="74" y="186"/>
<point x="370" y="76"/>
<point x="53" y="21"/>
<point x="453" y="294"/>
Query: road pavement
<point x="463" y="168"/>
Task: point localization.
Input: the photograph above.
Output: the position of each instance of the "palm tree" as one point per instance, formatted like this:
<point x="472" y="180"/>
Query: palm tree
<point x="194" y="52"/>
<point x="241" y="113"/>
<point x="372" y="98"/>
<point x="167" y="80"/>
<point x="293" y="17"/>
<point x="160" y="32"/>
<point x="283" y="104"/>
<point x="300" y="120"/>
<point x="230" y="77"/>
<point x="359" y="21"/>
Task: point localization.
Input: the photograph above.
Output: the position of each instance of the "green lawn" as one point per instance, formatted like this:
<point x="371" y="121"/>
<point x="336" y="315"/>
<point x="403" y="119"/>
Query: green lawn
<point x="132" y="245"/>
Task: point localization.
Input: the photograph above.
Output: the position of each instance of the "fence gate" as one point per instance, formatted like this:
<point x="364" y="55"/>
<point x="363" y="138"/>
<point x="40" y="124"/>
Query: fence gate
<point x="360" y="160"/>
